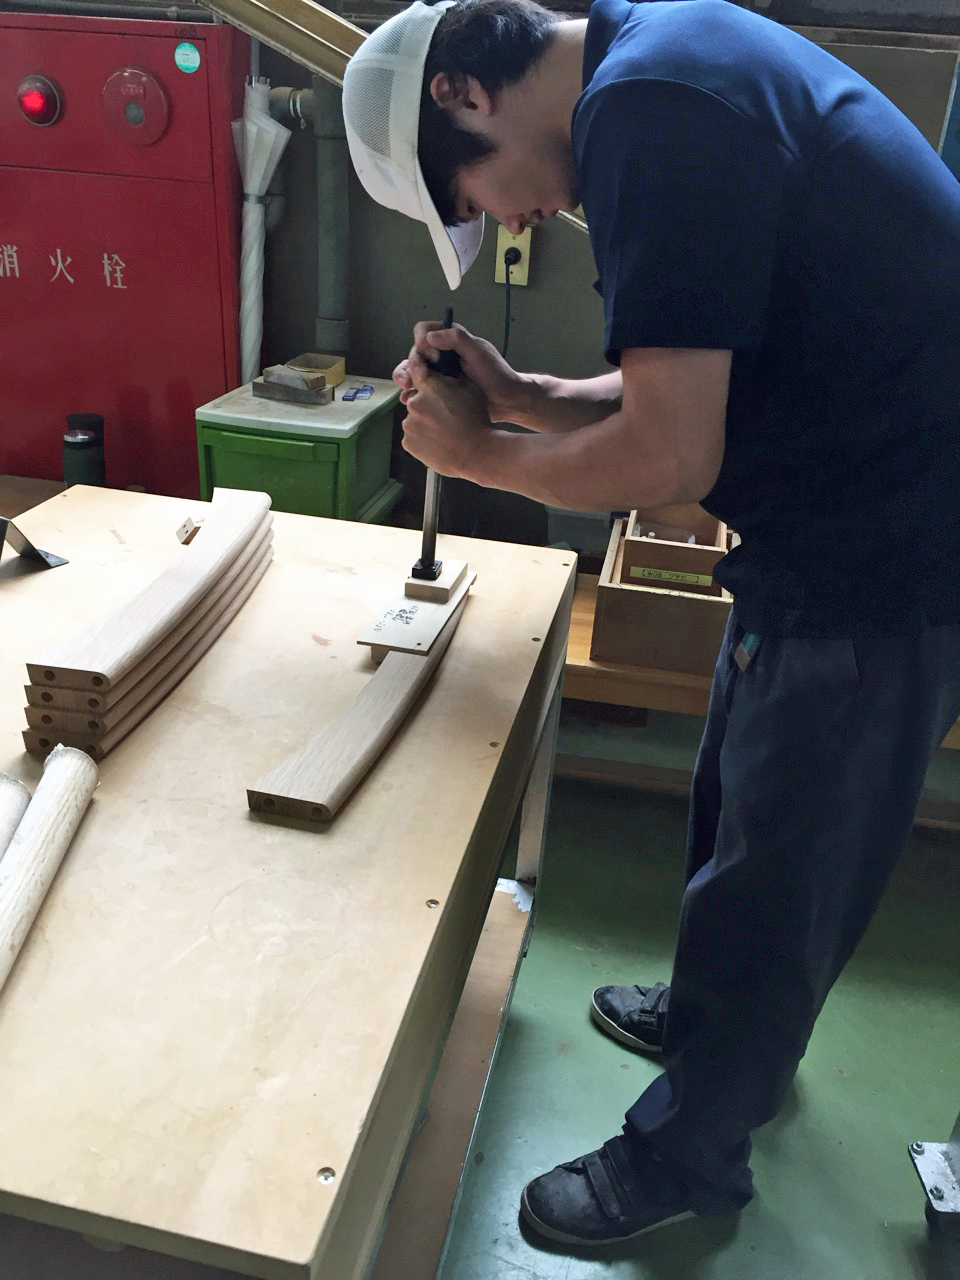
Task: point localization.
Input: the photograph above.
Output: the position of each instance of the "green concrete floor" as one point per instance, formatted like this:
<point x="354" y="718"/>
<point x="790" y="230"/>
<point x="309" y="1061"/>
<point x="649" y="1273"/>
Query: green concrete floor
<point x="837" y="1197"/>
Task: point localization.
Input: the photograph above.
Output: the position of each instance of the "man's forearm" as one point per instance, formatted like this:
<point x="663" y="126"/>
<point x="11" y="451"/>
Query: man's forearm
<point x="564" y="404"/>
<point x="600" y="468"/>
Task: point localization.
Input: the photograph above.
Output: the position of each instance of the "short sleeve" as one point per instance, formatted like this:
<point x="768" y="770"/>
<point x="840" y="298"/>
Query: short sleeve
<point x="683" y="195"/>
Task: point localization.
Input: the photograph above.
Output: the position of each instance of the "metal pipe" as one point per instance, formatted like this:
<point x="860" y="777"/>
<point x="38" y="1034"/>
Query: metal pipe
<point x="91" y="9"/>
<point x="431" y="517"/>
<point x="323" y="107"/>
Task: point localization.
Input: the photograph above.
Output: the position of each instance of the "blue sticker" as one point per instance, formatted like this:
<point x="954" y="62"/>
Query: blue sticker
<point x="187" y="57"/>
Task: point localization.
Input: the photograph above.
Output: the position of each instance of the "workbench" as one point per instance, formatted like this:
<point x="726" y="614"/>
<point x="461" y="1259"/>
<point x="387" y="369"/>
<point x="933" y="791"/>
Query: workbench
<point x="217" y="1037"/>
<point x="619" y="684"/>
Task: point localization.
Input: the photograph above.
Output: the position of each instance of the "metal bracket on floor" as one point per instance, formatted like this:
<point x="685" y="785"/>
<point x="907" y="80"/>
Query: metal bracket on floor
<point x="25" y="548"/>
<point x="938" y="1168"/>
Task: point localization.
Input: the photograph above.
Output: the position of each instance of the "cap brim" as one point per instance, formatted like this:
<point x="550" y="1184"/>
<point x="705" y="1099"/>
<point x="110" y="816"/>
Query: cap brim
<point x="457" y="247"/>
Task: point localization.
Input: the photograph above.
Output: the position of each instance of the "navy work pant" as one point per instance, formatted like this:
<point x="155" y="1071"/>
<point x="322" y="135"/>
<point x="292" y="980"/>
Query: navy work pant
<point x="804" y="793"/>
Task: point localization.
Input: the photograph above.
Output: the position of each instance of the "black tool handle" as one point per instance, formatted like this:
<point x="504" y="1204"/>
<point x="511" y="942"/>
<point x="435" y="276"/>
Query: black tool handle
<point x="448" y="362"/>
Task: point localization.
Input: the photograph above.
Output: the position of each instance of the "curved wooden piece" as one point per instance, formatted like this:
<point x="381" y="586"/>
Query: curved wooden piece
<point x="103" y="654"/>
<point x="87" y="701"/>
<point x="14" y="798"/>
<point x="49" y="717"/>
<point x="315" y="782"/>
<point x="97" y="745"/>
<point x="38" y="846"/>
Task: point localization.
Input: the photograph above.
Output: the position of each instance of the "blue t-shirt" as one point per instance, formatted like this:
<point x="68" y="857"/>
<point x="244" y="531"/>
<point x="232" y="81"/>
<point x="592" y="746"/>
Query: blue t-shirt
<point x="747" y="191"/>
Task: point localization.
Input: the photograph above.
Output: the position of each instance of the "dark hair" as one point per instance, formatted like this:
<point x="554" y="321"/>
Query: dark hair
<point x="496" y="42"/>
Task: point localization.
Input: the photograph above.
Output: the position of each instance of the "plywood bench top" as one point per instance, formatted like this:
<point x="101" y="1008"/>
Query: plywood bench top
<point x="207" y="1010"/>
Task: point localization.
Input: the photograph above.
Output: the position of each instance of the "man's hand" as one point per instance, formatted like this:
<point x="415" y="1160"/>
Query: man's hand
<point x="505" y="391"/>
<point x="446" y="426"/>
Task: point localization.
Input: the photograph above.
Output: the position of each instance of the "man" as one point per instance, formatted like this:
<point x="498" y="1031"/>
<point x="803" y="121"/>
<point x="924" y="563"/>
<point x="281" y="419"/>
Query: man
<point x="779" y="259"/>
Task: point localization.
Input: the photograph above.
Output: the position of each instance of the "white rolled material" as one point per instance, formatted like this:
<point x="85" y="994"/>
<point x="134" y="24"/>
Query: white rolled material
<point x="252" y="236"/>
<point x="14" y="798"/>
<point x="41" y="839"/>
<point x="260" y="141"/>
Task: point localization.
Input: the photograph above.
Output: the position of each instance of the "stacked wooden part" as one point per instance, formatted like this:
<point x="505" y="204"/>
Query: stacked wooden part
<point x="657" y="605"/>
<point x="91" y="691"/>
<point x="32" y="848"/>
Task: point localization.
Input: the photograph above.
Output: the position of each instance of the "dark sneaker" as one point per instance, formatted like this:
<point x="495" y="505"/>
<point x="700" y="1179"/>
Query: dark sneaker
<point x="635" y="1016"/>
<point x="614" y="1194"/>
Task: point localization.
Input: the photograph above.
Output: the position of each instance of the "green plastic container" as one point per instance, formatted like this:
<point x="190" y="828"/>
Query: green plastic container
<point x="323" y="460"/>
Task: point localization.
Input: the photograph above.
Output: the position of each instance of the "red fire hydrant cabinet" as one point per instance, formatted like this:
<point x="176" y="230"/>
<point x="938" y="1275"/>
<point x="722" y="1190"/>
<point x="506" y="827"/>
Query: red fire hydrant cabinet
<point x="119" y="216"/>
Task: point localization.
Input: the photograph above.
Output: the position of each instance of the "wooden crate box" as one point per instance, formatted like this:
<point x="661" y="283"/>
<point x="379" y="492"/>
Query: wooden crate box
<point x="647" y="626"/>
<point x="679" y="555"/>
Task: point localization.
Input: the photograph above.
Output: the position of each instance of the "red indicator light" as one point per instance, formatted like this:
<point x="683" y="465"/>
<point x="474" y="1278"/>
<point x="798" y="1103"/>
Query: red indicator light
<point x="39" y="100"/>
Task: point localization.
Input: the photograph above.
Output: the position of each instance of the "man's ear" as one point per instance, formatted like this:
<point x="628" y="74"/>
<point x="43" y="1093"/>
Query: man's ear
<point x="460" y="93"/>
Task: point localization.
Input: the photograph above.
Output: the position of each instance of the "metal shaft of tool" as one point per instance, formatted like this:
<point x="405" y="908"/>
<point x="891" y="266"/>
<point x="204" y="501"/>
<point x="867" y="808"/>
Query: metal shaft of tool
<point x="431" y="516"/>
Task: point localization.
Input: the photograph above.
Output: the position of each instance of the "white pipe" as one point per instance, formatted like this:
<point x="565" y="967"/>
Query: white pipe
<point x="38" y="845"/>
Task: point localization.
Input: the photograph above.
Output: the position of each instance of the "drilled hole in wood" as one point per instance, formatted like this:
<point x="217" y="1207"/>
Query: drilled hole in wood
<point x="326" y="1174"/>
<point x="93" y="704"/>
<point x="50" y="676"/>
<point x="47" y="719"/>
<point x="494" y="744"/>
<point x="268" y="802"/>
<point x="44" y="742"/>
<point x="536" y="639"/>
<point x="92" y="724"/>
<point x="97" y="681"/>
<point x="432" y="902"/>
<point x="46" y="697"/>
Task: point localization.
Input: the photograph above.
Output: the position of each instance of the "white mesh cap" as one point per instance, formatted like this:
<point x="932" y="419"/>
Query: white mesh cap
<point x="381" y="111"/>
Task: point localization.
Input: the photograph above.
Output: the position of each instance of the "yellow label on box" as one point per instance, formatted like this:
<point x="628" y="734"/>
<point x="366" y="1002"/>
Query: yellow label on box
<point x="672" y="575"/>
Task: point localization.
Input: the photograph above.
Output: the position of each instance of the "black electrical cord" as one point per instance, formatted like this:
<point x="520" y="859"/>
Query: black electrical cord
<point x="510" y="259"/>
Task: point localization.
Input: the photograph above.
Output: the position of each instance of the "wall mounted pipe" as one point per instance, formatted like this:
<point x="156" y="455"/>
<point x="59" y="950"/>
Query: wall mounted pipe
<point x="90" y="9"/>
<point x="321" y="107"/>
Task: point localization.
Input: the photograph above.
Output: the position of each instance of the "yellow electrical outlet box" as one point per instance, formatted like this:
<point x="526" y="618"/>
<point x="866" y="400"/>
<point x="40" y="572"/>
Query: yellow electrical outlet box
<point x="505" y="241"/>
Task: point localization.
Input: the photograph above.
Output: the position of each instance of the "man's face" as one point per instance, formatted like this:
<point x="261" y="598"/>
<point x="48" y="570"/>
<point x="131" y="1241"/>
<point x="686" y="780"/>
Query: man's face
<point x="518" y="184"/>
<point x="529" y="175"/>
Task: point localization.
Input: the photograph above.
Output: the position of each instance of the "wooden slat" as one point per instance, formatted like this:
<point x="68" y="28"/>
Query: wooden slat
<point x="316" y="781"/>
<point x="104" y="653"/>
<point x="97" y="745"/>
